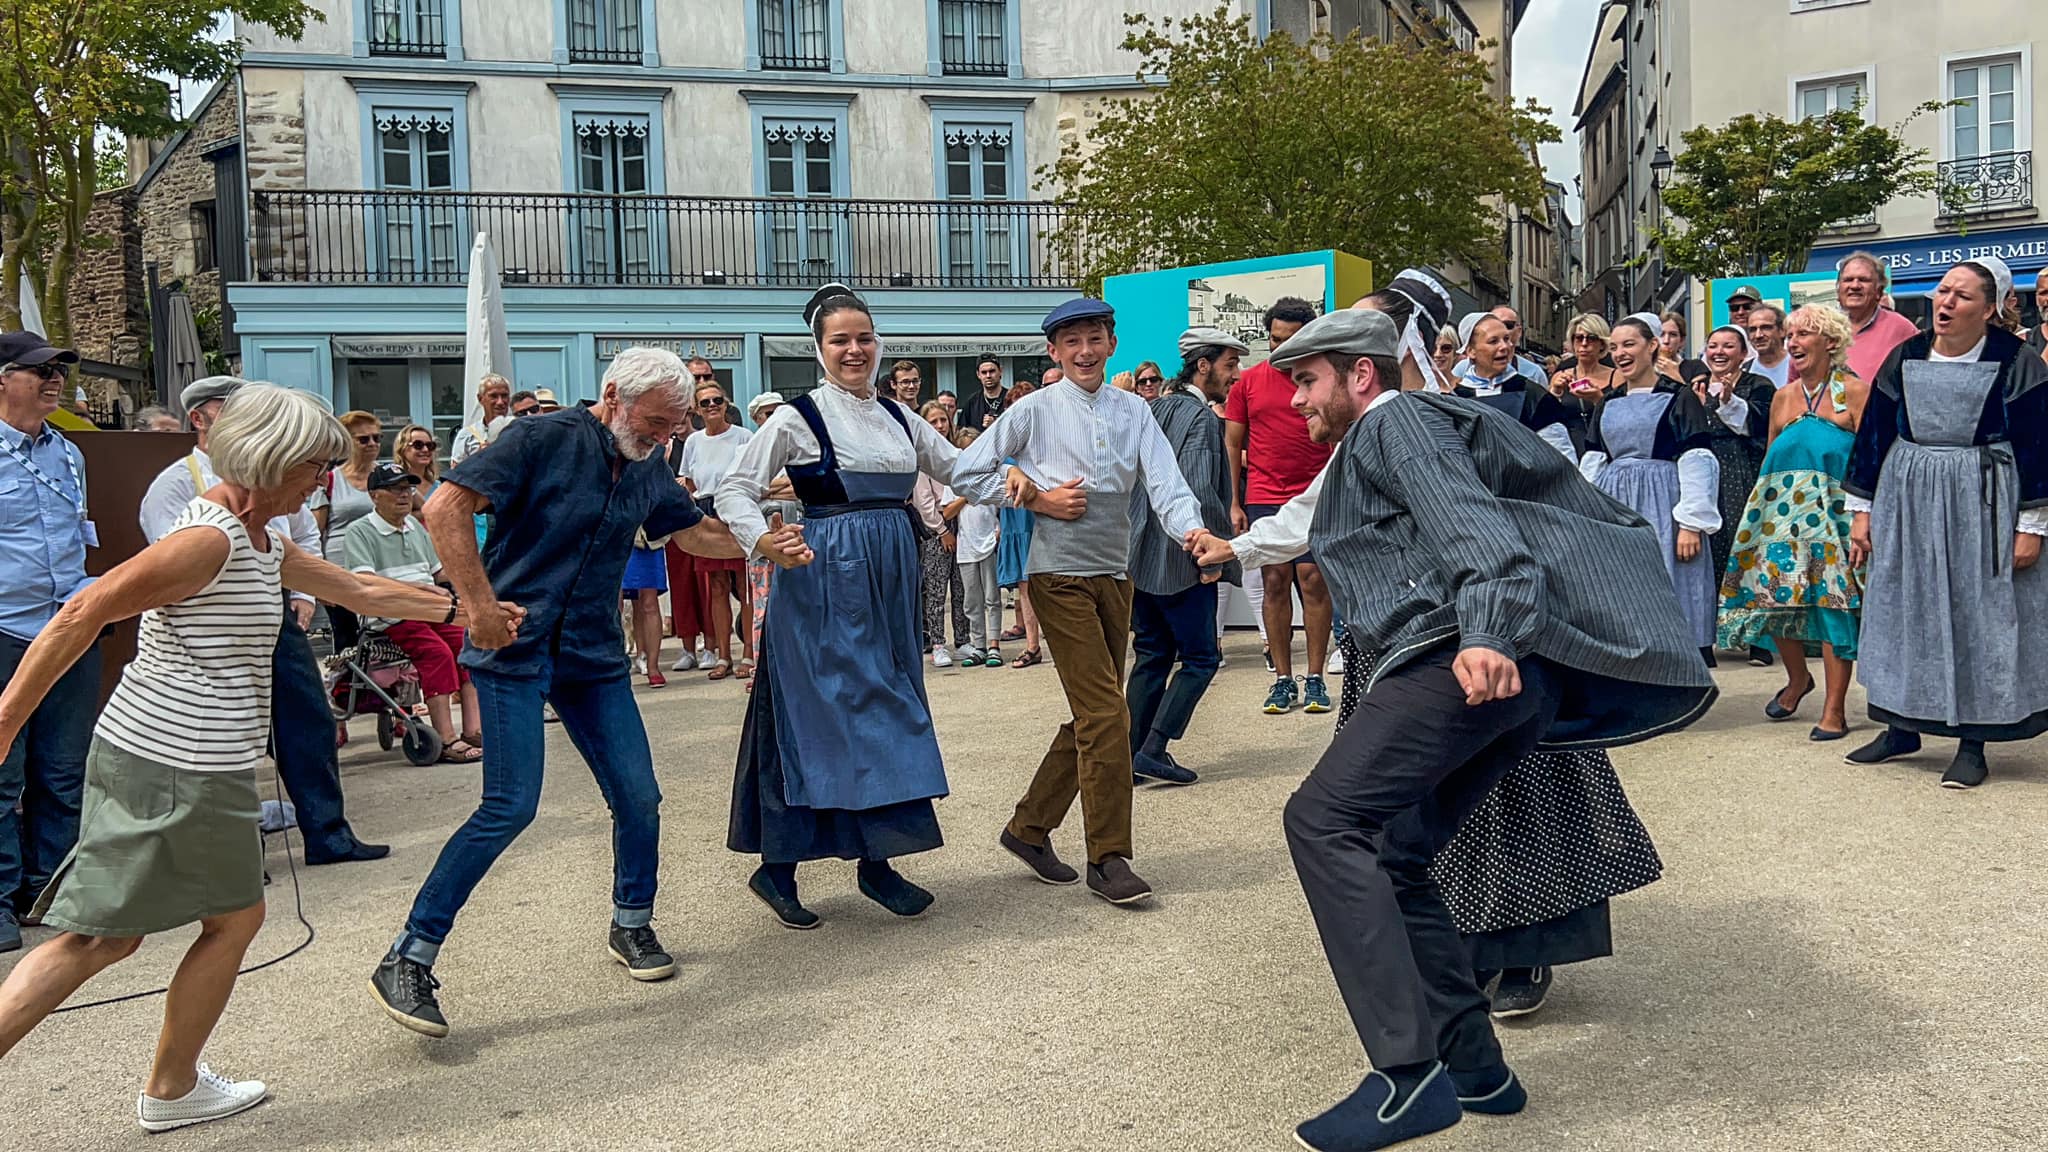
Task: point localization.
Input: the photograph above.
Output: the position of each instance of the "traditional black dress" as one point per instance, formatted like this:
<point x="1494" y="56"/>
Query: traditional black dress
<point x="1742" y="432"/>
<point x="1953" y="456"/>
<point x="1561" y="424"/>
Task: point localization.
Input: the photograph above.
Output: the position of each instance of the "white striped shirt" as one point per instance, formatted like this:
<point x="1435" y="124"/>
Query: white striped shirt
<point x="197" y="694"/>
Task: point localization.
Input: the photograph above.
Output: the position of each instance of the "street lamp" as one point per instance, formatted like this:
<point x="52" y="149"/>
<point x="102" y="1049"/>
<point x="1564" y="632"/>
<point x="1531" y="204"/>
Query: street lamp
<point x="1661" y="165"/>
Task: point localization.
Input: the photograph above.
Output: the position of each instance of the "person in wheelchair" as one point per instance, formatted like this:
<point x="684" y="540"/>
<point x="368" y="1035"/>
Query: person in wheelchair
<point x="394" y="545"/>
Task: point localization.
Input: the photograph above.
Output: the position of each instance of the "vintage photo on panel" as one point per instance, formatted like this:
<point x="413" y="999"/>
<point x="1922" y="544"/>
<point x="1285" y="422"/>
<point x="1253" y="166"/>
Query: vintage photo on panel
<point x="1237" y="303"/>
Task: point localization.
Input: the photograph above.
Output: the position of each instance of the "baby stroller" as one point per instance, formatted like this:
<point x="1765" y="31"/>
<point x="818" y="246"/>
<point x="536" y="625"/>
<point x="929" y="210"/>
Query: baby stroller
<point x="375" y="677"/>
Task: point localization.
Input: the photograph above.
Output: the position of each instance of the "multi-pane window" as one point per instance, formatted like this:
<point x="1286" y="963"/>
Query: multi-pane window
<point x="1822" y="97"/>
<point x="974" y="37"/>
<point x="801" y="158"/>
<point x="980" y="227"/>
<point x="407" y="28"/>
<point x="796" y="34"/>
<point x="1985" y="112"/>
<point x="416" y="155"/>
<point x="605" y="32"/>
<point x="614" y="235"/>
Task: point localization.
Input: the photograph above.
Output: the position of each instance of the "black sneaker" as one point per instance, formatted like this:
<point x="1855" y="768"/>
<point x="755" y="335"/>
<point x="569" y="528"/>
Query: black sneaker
<point x="886" y="886"/>
<point x="1890" y="744"/>
<point x="1161" y="767"/>
<point x="1521" y="992"/>
<point x="1268" y="654"/>
<point x="406" y="990"/>
<point x="786" y="907"/>
<point x="1114" y="881"/>
<point x="1968" y="770"/>
<point x="1047" y="866"/>
<point x="641" y="952"/>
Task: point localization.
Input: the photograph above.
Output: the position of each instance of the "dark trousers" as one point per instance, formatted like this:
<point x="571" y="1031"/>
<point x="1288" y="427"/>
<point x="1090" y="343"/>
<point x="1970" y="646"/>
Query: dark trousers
<point x="44" y="773"/>
<point x="1087" y="620"/>
<point x="1177" y="628"/>
<point x="1393" y="789"/>
<point x="302" y="742"/>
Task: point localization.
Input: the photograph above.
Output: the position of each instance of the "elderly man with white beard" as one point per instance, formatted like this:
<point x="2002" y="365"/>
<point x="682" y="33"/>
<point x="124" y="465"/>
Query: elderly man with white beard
<point x="567" y="490"/>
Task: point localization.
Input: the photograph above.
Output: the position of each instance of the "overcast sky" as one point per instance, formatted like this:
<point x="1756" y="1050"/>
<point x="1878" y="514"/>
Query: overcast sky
<point x="1550" y="57"/>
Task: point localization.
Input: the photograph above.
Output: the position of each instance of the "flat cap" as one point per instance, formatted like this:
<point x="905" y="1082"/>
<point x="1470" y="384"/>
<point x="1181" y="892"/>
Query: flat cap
<point x="764" y="400"/>
<point x="1347" y="331"/>
<point x="208" y="388"/>
<point x="1206" y="337"/>
<point x="1076" y="310"/>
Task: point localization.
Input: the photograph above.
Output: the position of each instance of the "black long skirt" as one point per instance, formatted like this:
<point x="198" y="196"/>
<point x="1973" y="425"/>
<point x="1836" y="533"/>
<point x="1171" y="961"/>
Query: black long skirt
<point x="763" y="823"/>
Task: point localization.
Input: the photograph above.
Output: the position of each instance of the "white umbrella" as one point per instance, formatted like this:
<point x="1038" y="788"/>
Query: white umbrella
<point x="31" y="311"/>
<point x="488" y="350"/>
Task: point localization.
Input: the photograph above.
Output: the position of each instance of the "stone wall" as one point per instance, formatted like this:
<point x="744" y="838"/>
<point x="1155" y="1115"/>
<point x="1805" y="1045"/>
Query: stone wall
<point x="171" y="232"/>
<point x="109" y="302"/>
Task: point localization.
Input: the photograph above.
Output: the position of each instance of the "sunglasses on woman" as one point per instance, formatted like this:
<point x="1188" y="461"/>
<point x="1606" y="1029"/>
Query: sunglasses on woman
<point x="1151" y="380"/>
<point x="422" y="445"/>
<point x="367" y="439"/>
<point x="711" y="404"/>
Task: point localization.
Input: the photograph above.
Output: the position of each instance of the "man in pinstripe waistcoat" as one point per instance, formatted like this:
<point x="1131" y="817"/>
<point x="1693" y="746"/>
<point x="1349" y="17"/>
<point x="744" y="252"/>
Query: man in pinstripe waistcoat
<point x="1458" y="545"/>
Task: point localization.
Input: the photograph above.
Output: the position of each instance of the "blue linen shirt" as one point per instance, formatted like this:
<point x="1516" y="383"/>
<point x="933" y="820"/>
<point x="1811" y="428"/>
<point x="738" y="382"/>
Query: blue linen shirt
<point x="42" y="532"/>
<point x="562" y="529"/>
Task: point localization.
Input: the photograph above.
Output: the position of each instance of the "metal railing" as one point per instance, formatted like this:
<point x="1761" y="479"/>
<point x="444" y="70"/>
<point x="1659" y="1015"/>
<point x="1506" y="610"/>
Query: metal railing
<point x="1995" y="183"/>
<point x="403" y="237"/>
<point x="794" y="35"/>
<point x="605" y="32"/>
<point x="974" y="37"/>
<point x="407" y="28"/>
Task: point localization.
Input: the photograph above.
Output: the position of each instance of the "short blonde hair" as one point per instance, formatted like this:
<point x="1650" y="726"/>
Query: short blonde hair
<point x="265" y="431"/>
<point x="1825" y="320"/>
<point x="355" y="418"/>
<point x="1592" y="324"/>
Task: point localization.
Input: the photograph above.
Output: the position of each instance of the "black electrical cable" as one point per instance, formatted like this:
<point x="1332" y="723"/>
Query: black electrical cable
<point x="298" y="910"/>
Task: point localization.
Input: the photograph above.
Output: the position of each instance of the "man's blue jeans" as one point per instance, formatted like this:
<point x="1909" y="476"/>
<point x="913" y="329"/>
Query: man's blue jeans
<point x="1165" y="630"/>
<point x="604" y="723"/>
<point x="45" y="773"/>
<point x="302" y="743"/>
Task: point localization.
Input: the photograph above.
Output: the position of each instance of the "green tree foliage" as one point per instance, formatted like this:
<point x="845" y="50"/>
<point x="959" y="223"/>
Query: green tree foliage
<point x="73" y="68"/>
<point x="1752" y="196"/>
<point x="1397" y="152"/>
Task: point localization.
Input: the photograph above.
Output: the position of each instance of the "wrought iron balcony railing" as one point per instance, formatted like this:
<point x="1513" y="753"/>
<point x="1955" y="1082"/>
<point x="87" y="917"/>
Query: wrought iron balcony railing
<point x="974" y="37"/>
<point x="1999" y="182"/>
<point x="407" y="28"/>
<point x="343" y="237"/>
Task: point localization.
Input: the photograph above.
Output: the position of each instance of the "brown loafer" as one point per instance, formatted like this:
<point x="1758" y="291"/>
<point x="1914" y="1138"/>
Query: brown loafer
<point x="1041" y="860"/>
<point x="1114" y="881"/>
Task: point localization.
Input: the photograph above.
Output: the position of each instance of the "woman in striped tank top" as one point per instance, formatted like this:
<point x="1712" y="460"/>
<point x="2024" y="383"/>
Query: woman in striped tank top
<point x="168" y="831"/>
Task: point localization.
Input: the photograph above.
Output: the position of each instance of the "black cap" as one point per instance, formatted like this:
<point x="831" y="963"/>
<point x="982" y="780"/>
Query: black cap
<point x="29" y="350"/>
<point x="388" y="475"/>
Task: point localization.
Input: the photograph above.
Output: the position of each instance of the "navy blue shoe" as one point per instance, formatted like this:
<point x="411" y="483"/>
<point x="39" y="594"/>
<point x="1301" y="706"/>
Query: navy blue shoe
<point x="1363" y="1121"/>
<point x="1495" y="1091"/>
<point x="1162" y="767"/>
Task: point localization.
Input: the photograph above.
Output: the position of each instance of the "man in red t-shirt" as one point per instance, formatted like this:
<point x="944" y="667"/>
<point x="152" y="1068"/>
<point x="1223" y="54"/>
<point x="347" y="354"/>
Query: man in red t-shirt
<point x="1272" y="460"/>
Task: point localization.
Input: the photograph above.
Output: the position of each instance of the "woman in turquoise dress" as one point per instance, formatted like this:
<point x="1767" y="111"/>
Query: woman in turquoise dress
<point x="1789" y="575"/>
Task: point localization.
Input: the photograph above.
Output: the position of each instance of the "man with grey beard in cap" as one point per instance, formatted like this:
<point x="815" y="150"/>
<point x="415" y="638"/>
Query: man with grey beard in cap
<point x="1458" y="546"/>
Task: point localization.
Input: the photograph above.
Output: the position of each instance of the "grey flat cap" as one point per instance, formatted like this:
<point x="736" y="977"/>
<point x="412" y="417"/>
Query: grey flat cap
<point x="208" y="388"/>
<point x="1347" y="332"/>
<point x="1195" y="338"/>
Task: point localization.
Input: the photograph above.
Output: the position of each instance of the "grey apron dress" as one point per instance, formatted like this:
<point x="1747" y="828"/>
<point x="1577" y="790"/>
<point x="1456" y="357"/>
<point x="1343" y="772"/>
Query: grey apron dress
<point x="1649" y="487"/>
<point x="1947" y="623"/>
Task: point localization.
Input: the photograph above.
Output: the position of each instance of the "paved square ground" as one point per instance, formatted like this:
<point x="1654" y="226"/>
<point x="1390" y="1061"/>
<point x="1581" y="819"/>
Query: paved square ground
<point x="1837" y="958"/>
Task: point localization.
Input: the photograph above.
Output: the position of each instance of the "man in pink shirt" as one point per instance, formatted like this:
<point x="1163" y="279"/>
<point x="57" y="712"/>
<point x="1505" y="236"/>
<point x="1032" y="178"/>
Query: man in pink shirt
<point x="1271" y="460"/>
<point x="1860" y="283"/>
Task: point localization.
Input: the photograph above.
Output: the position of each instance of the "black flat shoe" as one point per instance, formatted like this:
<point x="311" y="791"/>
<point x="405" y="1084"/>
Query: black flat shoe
<point x="1759" y="657"/>
<point x="1820" y="735"/>
<point x="1968" y="769"/>
<point x="356" y="851"/>
<point x="887" y="887"/>
<point x="1777" y="711"/>
<point x="1889" y="744"/>
<point x="790" y="913"/>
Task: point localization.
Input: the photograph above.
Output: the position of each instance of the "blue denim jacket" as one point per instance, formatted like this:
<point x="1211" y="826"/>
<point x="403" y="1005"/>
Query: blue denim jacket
<point x="562" y="529"/>
<point x="42" y="531"/>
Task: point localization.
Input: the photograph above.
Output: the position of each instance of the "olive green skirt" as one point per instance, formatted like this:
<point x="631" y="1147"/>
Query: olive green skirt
<point x="158" y="847"/>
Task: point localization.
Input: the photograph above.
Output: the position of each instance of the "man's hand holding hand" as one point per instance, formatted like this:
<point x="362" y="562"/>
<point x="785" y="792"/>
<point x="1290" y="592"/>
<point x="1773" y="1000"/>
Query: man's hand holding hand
<point x="783" y="545"/>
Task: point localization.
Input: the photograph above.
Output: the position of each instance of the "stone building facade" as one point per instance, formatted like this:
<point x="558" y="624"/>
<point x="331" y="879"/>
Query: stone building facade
<point x="176" y="195"/>
<point x="109" y="303"/>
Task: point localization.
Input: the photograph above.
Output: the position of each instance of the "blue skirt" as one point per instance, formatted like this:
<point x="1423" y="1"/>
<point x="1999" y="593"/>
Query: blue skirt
<point x="1013" y="546"/>
<point x="647" y="570"/>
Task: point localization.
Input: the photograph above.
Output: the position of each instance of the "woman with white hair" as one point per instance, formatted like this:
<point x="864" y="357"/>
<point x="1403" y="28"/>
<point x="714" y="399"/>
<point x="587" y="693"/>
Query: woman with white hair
<point x="1948" y="482"/>
<point x="1789" y="579"/>
<point x="1651" y="447"/>
<point x="169" y="833"/>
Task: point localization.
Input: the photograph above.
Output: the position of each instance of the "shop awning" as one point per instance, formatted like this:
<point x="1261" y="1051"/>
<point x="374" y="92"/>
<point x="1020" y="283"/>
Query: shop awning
<point x="804" y="348"/>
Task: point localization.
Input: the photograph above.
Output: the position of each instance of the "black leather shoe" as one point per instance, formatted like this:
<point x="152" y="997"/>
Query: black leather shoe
<point x="1777" y="711"/>
<point x="405" y="988"/>
<point x="356" y="851"/>
<point x="786" y="908"/>
<point x="1890" y="744"/>
<point x="1162" y="767"/>
<point x="1521" y="992"/>
<point x="1968" y="769"/>
<point x="886" y="886"/>
<point x="641" y="952"/>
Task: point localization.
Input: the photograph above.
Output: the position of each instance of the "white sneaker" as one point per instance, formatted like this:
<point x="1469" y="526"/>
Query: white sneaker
<point x="639" y="664"/>
<point x="967" y="652"/>
<point x="684" y="663"/>
<point x="213" y="1098"/>
<point x="705" y="659"/>
<point x="940" y="658"/>
<point x="1335" y="665"/>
